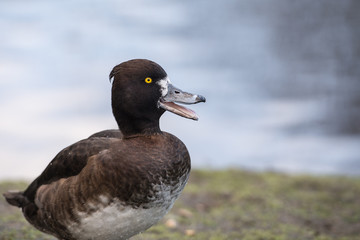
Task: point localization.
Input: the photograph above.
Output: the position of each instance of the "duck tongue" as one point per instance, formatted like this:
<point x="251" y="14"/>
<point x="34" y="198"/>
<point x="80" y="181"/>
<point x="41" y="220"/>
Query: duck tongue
<point x="179" y="110"/>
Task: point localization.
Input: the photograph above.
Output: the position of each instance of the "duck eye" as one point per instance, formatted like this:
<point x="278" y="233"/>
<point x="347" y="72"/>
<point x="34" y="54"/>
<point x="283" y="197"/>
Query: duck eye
<point x="148" y="80"/>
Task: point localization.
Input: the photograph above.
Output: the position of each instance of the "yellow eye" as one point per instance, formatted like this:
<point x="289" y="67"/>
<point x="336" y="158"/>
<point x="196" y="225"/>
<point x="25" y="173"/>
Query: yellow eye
<point x="148" y="80"/>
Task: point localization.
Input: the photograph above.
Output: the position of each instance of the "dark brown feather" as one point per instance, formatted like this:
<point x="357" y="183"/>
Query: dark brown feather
<point x="69" y="162"/>
<point x="127" y="171"/>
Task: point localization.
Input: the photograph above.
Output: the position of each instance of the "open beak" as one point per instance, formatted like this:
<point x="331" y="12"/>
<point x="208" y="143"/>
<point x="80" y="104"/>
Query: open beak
<point x="176" y="95"/>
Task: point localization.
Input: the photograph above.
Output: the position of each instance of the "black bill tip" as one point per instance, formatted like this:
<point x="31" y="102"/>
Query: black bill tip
<point x="200" y="98"/>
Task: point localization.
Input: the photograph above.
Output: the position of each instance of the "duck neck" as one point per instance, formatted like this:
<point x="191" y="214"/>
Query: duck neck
<point x="138" y="127"/>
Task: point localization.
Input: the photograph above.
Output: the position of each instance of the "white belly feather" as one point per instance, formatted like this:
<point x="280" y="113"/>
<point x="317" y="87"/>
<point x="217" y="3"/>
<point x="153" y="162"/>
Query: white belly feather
<point x="116" y="221"/>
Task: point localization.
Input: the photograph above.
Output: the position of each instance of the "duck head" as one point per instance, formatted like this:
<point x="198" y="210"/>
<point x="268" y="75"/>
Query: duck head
<point x="142" y="92"/>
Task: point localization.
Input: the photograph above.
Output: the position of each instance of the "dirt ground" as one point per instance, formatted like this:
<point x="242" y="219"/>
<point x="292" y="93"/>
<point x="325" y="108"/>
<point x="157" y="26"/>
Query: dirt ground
<point x="237" y="204"/>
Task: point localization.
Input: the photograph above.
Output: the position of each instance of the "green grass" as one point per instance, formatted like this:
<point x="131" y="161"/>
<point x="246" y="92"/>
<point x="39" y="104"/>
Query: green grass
<point x="240" y="205"/>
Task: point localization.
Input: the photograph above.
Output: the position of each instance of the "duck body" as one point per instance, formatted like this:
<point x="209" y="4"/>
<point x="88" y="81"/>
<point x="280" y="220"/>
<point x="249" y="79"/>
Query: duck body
<point x="129" y="185"/>
<point x="116" y="183"/>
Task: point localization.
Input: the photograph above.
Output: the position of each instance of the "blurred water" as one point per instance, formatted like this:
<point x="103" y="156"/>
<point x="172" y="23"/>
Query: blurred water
<point x="280" y="78"/>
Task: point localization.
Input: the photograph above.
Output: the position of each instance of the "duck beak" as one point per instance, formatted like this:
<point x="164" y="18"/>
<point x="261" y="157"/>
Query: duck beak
<point x="176" y="95"/>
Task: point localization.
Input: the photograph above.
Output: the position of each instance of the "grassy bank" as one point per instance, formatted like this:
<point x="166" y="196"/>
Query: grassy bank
<point x="240" y="205"/>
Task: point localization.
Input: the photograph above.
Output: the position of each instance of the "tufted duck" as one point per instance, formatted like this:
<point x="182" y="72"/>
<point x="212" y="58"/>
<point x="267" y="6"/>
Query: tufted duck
<point x="116" y="183"/>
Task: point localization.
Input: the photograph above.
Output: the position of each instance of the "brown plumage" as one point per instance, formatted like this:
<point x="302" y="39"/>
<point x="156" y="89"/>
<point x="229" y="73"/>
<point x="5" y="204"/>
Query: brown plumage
<point x="118" y="177"/>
